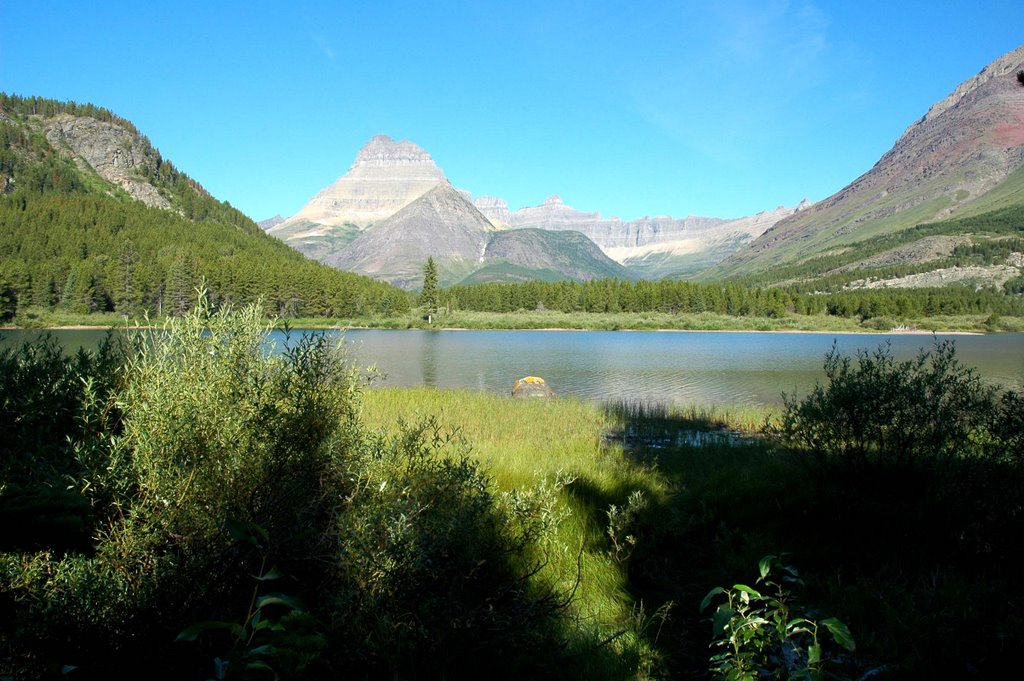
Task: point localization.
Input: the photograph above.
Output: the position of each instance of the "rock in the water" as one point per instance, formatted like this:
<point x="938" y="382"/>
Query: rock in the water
<point x="532" y="386"/>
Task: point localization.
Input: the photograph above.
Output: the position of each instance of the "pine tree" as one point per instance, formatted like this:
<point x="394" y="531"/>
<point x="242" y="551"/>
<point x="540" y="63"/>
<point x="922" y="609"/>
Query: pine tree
<point x="428" y="298"/>
<point x="8" y="299"/>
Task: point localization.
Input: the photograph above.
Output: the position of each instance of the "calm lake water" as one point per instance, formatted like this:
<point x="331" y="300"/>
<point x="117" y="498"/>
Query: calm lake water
<point x="682" y="368"/>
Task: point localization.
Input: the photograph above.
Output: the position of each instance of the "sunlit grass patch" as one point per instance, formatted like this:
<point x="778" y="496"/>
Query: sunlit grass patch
<point x="521" y="442"/>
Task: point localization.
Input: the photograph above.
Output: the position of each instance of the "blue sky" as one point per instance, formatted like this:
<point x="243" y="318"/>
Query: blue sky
<point x="720" y="108"/>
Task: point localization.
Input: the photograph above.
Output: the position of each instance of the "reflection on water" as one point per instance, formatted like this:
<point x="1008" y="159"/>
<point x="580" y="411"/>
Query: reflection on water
<point x="680" y="368"/>
<point x="428" y="359"/>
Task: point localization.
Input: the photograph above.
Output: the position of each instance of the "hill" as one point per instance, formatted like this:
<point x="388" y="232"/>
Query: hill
<point x="93" y="218"/>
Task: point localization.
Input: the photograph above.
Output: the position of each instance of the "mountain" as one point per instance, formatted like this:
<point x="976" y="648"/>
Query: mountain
<point x="963" y="158"/>
<point x="394" y="208"/>
<point x="386" y="176"/>
<point x="567" y="253"/>
<point x="93" y="218"/>
<point x="444" y="225"/>
<point x="440" y="223"/>
<point x="270" y="222"/>
<point x="650" y="247"/>
<point x="607" y="233"/>
<point x="336" y="226"/>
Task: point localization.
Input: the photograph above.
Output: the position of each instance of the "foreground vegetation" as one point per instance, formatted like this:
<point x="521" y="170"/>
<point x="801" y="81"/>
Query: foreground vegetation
<point x="188" y="505"/>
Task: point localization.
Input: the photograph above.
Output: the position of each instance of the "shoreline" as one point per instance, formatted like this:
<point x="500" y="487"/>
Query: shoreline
<point x="866" y="332"/>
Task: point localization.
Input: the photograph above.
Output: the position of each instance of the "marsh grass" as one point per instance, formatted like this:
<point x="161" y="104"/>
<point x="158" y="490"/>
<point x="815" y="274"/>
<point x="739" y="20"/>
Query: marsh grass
<point x="913" y="564"/>
<point x="521" y="442"/>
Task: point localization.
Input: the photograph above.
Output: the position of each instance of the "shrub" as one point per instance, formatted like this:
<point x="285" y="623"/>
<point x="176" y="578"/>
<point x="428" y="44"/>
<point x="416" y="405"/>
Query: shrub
<point x="881" y="412"/>
<point x="214" y="468"/>
<point x="49" y="401"/>
<point x="215" y="429"/>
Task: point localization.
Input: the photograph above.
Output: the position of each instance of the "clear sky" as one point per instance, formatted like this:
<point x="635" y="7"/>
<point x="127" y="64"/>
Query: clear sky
<point x="720" y="108"/>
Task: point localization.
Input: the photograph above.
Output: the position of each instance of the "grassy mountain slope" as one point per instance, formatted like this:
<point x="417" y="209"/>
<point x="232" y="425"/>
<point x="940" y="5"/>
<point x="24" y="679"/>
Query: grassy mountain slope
<point x="570" y="253"/>
<point x="985" y="249"/>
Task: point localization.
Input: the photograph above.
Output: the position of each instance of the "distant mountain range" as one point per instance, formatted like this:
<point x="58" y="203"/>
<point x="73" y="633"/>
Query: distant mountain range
<point x="394" y="208"/>
<point x="962" y="159"/>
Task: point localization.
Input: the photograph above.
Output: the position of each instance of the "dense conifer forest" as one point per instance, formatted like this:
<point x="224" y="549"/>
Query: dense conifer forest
<point x="611" y="295"/>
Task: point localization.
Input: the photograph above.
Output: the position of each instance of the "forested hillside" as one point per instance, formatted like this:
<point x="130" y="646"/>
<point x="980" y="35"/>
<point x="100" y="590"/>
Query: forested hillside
<point x="71" y="239"/>
<point x="992" y="241"/>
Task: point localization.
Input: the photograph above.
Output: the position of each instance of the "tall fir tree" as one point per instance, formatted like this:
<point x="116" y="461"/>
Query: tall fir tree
<point x="428" y="298"/>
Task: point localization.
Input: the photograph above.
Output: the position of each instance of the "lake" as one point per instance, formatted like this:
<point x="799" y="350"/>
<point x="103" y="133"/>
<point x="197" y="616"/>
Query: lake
<point x="683" y="368"/>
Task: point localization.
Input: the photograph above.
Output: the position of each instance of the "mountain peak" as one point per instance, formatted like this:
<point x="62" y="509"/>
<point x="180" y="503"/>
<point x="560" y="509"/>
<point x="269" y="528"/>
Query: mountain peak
<point x="386" y="176"/>
<point x="383" y="152"/>
<point x="967" y="145"/>
<point x="1006" y="65"/>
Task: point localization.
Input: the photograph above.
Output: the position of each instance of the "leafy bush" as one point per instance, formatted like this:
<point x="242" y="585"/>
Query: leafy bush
<point x="214" y="429"/>
<point x="200" y="461"/>
<point x="48" y="402"/>
<point x="879" y="412"/>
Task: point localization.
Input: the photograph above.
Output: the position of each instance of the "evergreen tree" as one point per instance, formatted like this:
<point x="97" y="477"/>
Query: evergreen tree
<point x="8" y="299"/>
<point x="428" y="298"/>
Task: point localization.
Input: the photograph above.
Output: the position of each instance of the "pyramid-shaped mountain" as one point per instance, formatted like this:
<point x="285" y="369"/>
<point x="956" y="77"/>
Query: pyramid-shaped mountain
<point x="394" y="208"/>
<point x="439" y="224"/>
<point x="386" y="176"/>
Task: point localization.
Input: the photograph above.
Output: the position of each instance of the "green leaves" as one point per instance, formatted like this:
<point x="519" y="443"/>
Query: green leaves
<point x="755" y="631"/>
<point x="840" y="633"/>
<point x="192" y="632"/>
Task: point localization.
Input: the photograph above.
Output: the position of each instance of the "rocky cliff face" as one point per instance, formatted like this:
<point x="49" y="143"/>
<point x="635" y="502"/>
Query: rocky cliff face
<point x="633" y="242"/>
<point x="494" y="209"/>
<point x="386" y="176"/>
<point x="942" y="165"/>
<point x="113" y="152"/>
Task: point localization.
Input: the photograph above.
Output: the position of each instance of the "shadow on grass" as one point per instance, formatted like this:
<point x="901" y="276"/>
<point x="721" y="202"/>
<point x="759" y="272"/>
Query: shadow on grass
<point x="919" y="561"/>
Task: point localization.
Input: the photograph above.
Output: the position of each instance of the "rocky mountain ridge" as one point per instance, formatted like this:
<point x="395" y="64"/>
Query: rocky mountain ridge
<point x="948" y="163"/>
<point x="113" y="152"/>
<point x="443" y="224"/>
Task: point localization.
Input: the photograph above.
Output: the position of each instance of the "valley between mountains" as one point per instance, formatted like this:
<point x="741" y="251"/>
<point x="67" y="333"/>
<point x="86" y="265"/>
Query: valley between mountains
<point x="96" y="220"/>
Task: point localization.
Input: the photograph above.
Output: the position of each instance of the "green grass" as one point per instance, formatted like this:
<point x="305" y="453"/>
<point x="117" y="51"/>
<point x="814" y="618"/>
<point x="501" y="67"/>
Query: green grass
<point x="41" y="318"/>
<point x="523" y="441"/>
<point x="714" y="510"/>
<point x="1007" y="194"/>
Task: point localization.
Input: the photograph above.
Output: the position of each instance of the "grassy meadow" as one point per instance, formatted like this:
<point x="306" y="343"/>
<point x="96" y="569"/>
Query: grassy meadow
<point x="43" y="318"/>
<point x="892" y="551"/>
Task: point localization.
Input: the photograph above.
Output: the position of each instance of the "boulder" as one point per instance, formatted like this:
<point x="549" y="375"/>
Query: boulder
<point x="532" y="386"/>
